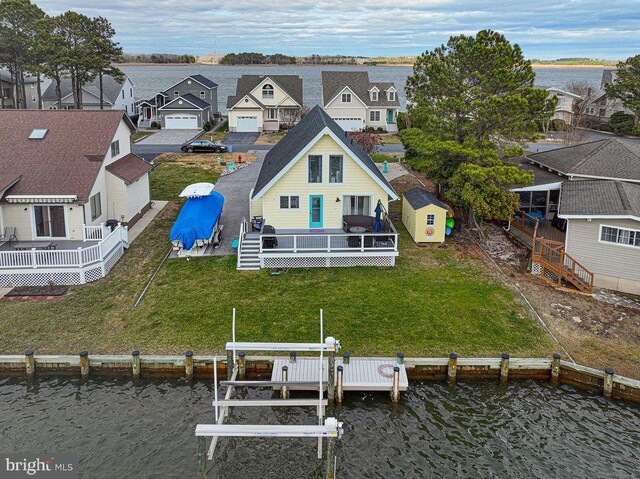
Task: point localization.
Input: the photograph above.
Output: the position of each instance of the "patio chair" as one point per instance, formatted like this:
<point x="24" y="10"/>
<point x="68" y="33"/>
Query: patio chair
<point x="8" y="235"/>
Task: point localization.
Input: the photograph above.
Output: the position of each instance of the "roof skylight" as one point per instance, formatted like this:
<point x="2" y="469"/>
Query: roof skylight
<point x="38" y="134"/>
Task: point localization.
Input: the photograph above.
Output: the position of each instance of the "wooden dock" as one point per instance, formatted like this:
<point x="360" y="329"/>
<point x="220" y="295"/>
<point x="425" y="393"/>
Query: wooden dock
<point x="360" y="374"/>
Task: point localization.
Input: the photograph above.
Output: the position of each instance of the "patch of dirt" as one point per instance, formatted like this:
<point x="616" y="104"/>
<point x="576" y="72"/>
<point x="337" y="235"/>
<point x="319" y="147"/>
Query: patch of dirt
<point x="204" y="159"/>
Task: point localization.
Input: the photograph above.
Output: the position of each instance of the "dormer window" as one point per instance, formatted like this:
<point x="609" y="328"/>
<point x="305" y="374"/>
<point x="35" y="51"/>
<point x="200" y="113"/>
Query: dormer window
<point x="391" y="95"/>
<point x="176" y="94"/>
<point x="374" y="95"/>
<point x="267" y="91"/>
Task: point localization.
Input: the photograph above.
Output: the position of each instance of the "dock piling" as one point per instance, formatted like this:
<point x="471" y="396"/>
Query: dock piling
<point x="230" y="365"/>
<point x="555" y="369"/>
<point x="504" y="368"/>
<point x="202" y="457"/>
<point x="242" y="367"/>
<point x="135" y="364"/>
<point x="331" y="458"/>
<point x="84" y="364"/>
<point x="188" y="364"/>
<point x="400" y="358"/>
<point x="452" y="368"/>
<point x="395" y="388"/>
<point x="339" y="390"/>
<point x="346" y="358"/>
<point x="293" y="356"/>
<point x="331" y="376"/>
<point x="30" y="363"/>
<point x="607" y="389"/>
<point x="284" y="393"/>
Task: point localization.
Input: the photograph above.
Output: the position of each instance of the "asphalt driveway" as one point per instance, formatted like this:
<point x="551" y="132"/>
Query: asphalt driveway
<point x="241" y="141"/>
<point x="169" y="137"/>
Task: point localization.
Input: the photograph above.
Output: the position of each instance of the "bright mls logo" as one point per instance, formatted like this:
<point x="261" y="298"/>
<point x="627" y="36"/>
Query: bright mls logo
<point x="50" y="466"/>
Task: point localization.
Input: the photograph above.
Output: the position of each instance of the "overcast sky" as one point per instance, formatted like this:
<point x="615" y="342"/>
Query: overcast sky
<point x="544" y="29"/>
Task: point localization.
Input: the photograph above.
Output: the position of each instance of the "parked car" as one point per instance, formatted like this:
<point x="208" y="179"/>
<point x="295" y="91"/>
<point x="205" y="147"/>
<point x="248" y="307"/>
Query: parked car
<point x="203" y="146"/>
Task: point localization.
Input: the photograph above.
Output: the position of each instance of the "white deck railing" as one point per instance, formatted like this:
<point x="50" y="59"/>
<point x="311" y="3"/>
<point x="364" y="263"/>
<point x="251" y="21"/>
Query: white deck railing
<point x="69" y="258"/>
<point x="330" y="243"/>
<point x="94" y="233"/>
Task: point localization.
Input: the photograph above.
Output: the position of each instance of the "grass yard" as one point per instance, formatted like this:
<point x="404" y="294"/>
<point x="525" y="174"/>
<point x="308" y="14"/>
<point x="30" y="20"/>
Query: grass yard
<point x="436" y="300"/>
<point x="270" y="137"/>
<point x="389" y="139"/>
<point x="139" y="135"/>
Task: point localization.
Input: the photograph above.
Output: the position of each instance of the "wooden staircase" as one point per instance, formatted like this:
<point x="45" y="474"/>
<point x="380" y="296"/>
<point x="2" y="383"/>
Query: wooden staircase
<point x="559" y="268"/>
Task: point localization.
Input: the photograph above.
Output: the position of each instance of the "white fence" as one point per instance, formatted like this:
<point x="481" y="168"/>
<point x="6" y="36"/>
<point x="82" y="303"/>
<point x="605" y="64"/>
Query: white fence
<point x="329" y="243"/>
<point x="72" y="266"/>
<point x="94" y="233"/>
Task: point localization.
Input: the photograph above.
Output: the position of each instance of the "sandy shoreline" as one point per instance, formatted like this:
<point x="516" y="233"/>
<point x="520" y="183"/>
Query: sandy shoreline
<point x="136" y="64"/>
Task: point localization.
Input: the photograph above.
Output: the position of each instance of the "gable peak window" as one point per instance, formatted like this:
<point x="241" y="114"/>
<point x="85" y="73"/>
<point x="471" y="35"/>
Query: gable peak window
<point x="315" y="168"/>
<point x="267" y="91"/>
<point x="346" y="98"/>
<point x="391" y="95"/>
<point x="115" y="148"/>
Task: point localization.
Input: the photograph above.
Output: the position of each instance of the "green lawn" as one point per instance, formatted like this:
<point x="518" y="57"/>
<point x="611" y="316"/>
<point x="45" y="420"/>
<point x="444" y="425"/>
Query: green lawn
<point x="435" y="301"/>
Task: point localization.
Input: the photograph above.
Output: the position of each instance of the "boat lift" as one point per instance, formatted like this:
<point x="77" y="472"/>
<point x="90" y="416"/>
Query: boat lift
<point x="329" y="428"/>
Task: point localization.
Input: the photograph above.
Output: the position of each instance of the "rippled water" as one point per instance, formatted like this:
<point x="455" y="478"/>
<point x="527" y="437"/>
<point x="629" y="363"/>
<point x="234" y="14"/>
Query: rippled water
<point x="152" y="79"/>
<point x="522" y="430"/>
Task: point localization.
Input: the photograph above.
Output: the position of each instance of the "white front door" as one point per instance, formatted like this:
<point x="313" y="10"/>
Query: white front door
<point x="247" y="124"/>
<point x="181" y="122"/>
<point x="350" y="124"/>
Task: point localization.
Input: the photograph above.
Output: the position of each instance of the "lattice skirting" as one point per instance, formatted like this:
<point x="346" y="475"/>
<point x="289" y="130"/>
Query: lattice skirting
<point x="539" y="270"/>
<point x="536" y="268"/>
<point x="332" y="262"/>
<point x="113" y="257"/>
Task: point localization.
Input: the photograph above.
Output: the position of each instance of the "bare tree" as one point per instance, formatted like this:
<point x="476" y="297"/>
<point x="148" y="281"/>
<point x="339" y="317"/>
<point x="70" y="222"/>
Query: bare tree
<point x="581" y="120"/>
<point x="290" y="116"/>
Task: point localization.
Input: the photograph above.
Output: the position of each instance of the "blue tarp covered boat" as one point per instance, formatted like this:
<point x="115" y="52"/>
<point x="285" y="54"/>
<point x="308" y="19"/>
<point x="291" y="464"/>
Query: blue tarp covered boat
<point x="197" y="220"/>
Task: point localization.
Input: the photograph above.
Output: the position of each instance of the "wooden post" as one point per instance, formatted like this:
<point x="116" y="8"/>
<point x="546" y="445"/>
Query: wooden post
<point x="331" y="376"/>
<point x="230" y="364"/>
<point x="339" y="390"/>
<point x="504" y="368"/>
<point x="395" y="388"/>
<point x="188" y="365"/>
<point x="346" y="357"/>
<point x="30" y="363"/>
<point x="400" y="358"/>
<point x="284" y="393"/>
<point x="293" y="356"/>
<point x="452" y="369"/>
<point x="607" y="389"/>
<point x="555" y="369"/>
<point x="242" y="368"/>
<point x="331" y="458"/>
<point x="84" y="364"/>
<point x="202" y="457"/>
<point x="135" y="364"/>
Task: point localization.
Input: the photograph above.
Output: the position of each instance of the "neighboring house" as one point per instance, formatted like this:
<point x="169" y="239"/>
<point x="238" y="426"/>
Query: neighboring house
<point x="601" y="107"/>
<point x="115" y="95"/>
<point x="63" y="176"/>
<point x="265" y="103"/>
<point x="317" y="193"/>
<point x="7" y="91"/>
<point x="188" y="104"/>
<point x="565" y="105"/>
<point x="355" y="103"/>
<point x="595" y="188"/>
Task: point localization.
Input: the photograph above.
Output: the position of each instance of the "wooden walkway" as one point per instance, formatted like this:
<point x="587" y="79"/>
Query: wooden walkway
<point x="370" y="374"/>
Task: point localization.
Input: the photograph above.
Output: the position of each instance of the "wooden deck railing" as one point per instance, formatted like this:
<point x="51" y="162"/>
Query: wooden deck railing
<point x="524" y="223"/>
<point x="552" y="256"/>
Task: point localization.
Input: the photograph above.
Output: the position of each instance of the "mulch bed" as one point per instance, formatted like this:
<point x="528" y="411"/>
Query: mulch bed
<point x="29" y="292"/>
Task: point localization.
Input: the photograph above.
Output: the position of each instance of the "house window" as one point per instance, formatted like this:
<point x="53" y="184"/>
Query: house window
<point x="267" y="92"/>
<point x="431" y="219"/>
<point x="272" y="113"/>
<point x="591" y="111"/>
<point x="131" y="92"/>
<point x="123" y="94"/>
<point x="603" y="112"/>
<point x="203" y="95"/>
<point x="33" y="98"/>
<point x="96" y="206"/>
<point x="115" y="148"/>
<point x="374" y="115"/>
<point x="336" y="166"/>
<point x="357" y="205"/>
<point x="176" y="94"/>
<point x="289" y="202"/>
<point x="346" y="98"/>
<point x="392" y="96"/>
<point x="620" y="236"/>
<point x="315" y="168"/>
<point x="374" y="96"/>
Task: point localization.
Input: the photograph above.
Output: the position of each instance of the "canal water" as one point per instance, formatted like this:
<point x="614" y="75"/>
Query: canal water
<point x="472" y="430"/>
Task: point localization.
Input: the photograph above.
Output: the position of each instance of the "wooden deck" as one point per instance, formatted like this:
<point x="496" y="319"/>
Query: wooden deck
<point x="361" y="374"/>
<point x="547" y="231"/>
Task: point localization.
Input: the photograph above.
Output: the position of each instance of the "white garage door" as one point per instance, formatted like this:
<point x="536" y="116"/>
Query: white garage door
<point x="247" y="124"/>
<point x="350" y="124"/>
<point x="181" y="122"/>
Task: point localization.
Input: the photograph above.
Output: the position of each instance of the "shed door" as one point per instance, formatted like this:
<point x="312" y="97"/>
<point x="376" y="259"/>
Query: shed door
<point x="247" y="124"/>
<point x="181" y="122"/>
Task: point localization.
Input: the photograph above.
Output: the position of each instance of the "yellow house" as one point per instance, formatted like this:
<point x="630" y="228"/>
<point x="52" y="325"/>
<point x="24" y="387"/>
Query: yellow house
<point x="320" y="191"/>
<point x="424" y="216"/>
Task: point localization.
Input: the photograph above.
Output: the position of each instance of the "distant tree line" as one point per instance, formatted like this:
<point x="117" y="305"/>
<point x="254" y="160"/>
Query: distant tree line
<point x="574" y="61"/>
<point x="253" y="58"/>
<point x="156" y="58"/>
<point x="70" y="45"/>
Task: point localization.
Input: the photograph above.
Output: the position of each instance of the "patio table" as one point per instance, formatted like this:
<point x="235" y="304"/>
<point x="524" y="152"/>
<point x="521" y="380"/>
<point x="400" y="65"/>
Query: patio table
<point x="358" y="229"/>
<point x="25" y="245"/>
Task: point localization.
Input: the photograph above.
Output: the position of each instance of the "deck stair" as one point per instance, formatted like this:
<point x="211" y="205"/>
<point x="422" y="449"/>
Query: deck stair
<point x="248" y="248"/>
<point x="559" y="267"/>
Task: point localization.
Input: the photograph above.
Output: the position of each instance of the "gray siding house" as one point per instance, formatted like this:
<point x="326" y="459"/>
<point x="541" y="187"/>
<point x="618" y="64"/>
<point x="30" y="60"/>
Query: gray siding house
<point x="587" y="198"/>
<point x="188" y="104"/>
<point x="8" y="91"/>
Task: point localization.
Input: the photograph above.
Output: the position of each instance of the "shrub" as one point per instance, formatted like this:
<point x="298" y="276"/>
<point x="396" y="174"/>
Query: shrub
<point x="382" y="157"/>
<point x="206" y="126"/>
<point x="558" y="125"/>
<point x="369" y="128"/>
<point x="621" y="123"/>
<point x="367" y="141"/>
<point x="380" y="129"/>
<point x="155" y="124"/>
<point x="401" y="121"/>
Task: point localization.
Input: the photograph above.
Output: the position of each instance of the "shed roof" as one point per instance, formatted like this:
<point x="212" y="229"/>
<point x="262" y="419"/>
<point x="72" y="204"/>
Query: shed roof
<point x="419" y="198"/>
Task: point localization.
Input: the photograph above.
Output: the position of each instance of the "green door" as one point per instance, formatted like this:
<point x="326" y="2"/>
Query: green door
<point x="315" y="211"/>
<point x="390" y="118"/>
